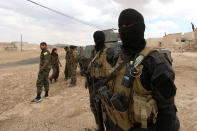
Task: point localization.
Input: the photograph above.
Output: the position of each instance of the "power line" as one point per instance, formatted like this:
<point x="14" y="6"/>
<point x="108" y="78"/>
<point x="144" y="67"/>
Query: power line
<point x="63" y="14"/>
<point x="112" y="2"/>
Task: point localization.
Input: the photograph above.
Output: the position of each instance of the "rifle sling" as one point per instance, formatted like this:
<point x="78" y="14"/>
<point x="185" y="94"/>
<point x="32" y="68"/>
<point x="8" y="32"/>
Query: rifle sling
<point x="115" y="72"/>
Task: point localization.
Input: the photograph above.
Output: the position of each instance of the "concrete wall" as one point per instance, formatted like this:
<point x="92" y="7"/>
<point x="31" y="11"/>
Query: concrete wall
<point x="195" y="34"/>
<point x="188" y="36"/>
<point x="172" y="39"/>
<point x="154" y="42"/>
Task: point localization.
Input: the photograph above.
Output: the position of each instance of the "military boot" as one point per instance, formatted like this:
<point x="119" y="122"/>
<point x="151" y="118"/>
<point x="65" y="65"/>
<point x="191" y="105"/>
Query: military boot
<point x="72" y="84"/>
<point x="55" y="80"/>
<point x="50" y="81"/>
<point x="97" y="127"/>
<point x="46" y="96"/>
<point x="67" y="78"/>
<point x="37" y="99"/>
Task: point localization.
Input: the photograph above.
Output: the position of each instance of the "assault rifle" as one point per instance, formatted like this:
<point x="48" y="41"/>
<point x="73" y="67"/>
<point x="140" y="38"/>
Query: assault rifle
<point x="97" y="101"/>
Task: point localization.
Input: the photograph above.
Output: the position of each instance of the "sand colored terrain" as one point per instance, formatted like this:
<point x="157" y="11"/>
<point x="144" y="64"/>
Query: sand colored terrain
<point x="64" y="110"/>
<point x="67" y="109"/>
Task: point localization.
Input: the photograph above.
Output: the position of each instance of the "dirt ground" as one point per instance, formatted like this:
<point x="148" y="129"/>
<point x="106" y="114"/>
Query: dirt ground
<point x="67" y="109"/>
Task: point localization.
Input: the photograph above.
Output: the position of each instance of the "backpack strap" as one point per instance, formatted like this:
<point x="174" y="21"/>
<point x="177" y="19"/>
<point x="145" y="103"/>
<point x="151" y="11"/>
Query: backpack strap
<point x="142" y="55"/>
<point x="115" y="72"/>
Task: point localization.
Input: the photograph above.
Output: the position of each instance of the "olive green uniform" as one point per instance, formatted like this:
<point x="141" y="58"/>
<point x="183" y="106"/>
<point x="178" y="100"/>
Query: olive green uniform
<point x="72" y="67"/>
<point x="66" y="71"/>
<point x="43" y="74"/>
<point x="55" y="66"/>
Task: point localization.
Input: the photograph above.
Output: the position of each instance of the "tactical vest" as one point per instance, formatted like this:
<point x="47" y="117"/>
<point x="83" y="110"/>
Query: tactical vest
<point x="142" y="108"/>
<point x="99" y="67"/>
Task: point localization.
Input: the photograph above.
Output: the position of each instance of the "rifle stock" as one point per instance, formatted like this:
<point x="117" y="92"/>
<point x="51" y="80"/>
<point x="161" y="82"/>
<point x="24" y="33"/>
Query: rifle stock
<point x="97" y="101"/>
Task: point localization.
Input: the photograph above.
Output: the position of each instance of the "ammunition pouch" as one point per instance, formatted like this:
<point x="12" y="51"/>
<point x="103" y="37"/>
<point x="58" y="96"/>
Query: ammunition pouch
<point x="116" y="109"/>
<point x="144" y="109"/>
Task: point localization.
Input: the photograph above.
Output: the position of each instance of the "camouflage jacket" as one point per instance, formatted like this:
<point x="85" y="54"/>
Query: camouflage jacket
<point x="55" y="60"/>
<point x="45" y="57"/>
<point x="71" y="56"/>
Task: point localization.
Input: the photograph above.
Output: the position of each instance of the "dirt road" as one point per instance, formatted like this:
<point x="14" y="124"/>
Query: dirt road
<point x="67" y="109"/>
<point x="24" y="62"/>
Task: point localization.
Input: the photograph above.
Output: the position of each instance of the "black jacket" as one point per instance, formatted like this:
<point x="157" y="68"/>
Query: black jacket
<point x="158" y="76"/>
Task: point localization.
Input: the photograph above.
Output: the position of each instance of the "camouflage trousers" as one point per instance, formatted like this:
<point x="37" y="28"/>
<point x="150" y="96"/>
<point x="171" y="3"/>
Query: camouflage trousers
<point x="73" y="74"/>
<point x="67" y="71"/>
<point x="55" y="74"/>
<point x="43" y="80"/>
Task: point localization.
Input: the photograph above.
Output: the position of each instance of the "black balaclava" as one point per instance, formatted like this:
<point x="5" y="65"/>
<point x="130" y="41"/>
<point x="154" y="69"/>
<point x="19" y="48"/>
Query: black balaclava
<point x="99" y="39"/>
<point x="132" y="35"/>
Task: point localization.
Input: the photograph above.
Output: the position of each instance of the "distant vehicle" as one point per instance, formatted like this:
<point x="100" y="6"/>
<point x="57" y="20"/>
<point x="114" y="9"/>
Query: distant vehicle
<point x="112" y="40"/>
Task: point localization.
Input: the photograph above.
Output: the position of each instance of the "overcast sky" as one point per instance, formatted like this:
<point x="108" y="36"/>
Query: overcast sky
<point x="38" y="24"/>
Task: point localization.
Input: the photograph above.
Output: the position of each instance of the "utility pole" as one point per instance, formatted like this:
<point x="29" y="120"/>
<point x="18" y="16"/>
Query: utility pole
<point x="21" y="42"/>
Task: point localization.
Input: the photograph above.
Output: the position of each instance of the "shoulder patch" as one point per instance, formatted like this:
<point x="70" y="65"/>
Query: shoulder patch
<point x="45" y="53"/>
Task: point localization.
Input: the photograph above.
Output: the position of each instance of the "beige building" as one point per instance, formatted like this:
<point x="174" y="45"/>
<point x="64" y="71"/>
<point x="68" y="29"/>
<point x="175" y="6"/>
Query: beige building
<point x="172" y="39"/>
<point x="154" y="42"/>
<point x="195" y="34"/>
<point x="188" y="36"/>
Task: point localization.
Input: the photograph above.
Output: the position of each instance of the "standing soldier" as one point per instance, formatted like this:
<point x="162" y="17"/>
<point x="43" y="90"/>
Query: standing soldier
<point x="80" y="60"/>
<point x="141" y="97"/>
<point x="55" y="65"/>
<point x="97" y="71"/>
<point x="45" y="66"/>
<point x="83" y="61"/>
<point x="66" y="71"/>
<point x="72" y="65"/>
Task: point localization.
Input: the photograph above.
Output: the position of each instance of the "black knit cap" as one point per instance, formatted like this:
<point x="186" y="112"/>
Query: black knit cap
<point x="130" y="16"/>
<point x="43" y="43"/>
<point x="99" y="36"/>
<point x="72" y="47"/>
<point x="66" y="47"/>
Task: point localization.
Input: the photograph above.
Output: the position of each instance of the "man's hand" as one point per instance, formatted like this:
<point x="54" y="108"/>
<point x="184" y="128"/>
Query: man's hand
<point x="74" y="60"/>
<point x="44" y="66"/>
